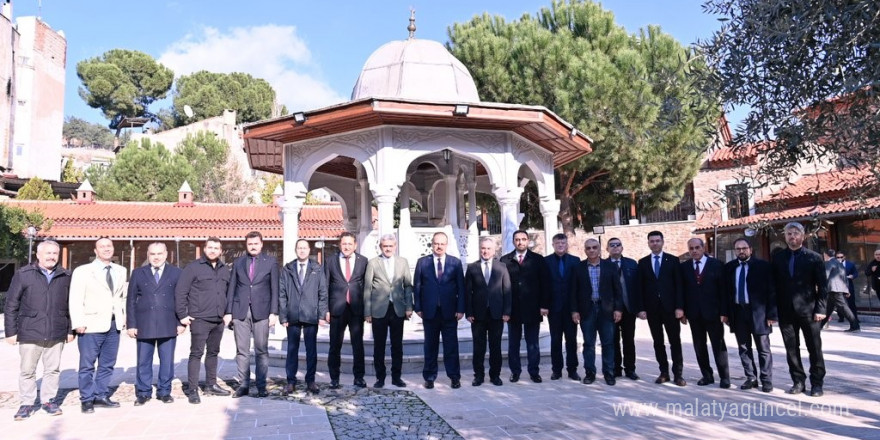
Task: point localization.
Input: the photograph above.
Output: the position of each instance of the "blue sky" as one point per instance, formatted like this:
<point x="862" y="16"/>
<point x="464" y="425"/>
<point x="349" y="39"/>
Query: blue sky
<point x="310" y="51"/>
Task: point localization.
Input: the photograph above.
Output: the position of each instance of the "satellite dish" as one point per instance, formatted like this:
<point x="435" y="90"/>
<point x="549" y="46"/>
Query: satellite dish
<point x="749" y="232"/>
<point x="188" y="111"/>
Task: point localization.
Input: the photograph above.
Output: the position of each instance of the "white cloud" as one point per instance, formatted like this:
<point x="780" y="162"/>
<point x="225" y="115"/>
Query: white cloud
<point x="274" y="53"/>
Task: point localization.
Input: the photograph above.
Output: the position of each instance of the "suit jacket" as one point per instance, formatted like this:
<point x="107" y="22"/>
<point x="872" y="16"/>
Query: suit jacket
<point x="380" y="286"/>
<point x="530" y="281"/>
<point x="851" y="270"/>
<point x="487" y="301"/>
<point x="873" y="274"/>
<point x="261" y="294"/>
<point x="836" y="274"/>
<point x="609" y="289"/>
<point x="151" y="306"/>
<point x="664" y="293"/>
<point x="629" y="269"/>
<point x="304" y="302"/>
<point x="761" y="294"/>
<point x="337" y="286"/>
<point x="92" y="304"/>
<point x="707" y="298"/>
<point x="560" y="285"/>
<point x="804" y="294"/>
<point x="445" y="295"/>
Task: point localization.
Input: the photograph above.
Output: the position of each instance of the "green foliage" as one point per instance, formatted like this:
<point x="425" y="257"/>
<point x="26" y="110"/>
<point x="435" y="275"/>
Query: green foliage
<point x="809" y="72"/>
<point x="90" y="135"/>
<point x="123" y="83"/>
<point x="213" y="176"/>
<point x="209" y="93"/>
<point x="70" y="173"/>
<point x="636" y="96"/>
<point x="143" y="172"/>
<point x="13" y="221"/>
<point x="36" y="189"/>
<point x="270" y="182"/>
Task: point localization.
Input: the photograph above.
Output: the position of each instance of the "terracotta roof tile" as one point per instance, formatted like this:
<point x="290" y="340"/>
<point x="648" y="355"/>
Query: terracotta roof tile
<point x="730" y="156"/>
<point x="831" y="209"/>
<point x="823" y="183"/>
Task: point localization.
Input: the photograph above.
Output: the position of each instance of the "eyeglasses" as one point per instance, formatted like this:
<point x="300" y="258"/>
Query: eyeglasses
<point x="841" y="257"/>
<point x="615" y="244"/>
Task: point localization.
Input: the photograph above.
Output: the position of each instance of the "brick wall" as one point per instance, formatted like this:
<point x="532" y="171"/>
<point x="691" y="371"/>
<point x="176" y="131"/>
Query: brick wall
<point x="634" y="238"/>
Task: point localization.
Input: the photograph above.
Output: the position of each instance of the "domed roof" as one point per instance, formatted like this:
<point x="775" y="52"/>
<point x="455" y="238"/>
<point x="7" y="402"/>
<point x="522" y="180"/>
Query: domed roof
<point x="415" y="69"/>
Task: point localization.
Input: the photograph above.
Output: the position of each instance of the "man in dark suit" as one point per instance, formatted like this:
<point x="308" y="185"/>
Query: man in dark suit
<point x="388" y="302"/>
<point x="530" y="279"/>
<point x="302" y="303"/>
<point x="596" y="305"/>
<point x="201" y="303"/>
<point x="851" y="274"/>
<point x="345" y="289"/>
<point x="662" y="301"/>
<point x="801" y="290"/>
<point x="487" y="304"/>
<point x="152" y="320"/>
<point x="625" y="329"/>
<point x="252" y="308"/>
<point x="704" y="304"/>
<point x="438" y="291"/>
<point x="561" y="267"/>
<point x="872" y="271"/>
<point x="751" y="298"/>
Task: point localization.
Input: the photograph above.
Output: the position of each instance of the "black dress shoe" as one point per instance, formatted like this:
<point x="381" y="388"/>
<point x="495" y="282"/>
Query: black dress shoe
<point x="241" y="391"/>
<point x="661" y="379"/>
<point x="456" y="384"/>
<point x="514" y="377"/>
<point x="588" y="379"/>
<point x="141" y="400"/>
<point x="749" y="384"/>
<point x="767" y="387"/>
<point x="289" y="389"/>
<point x="679" y="381"/>
<point x="312" y="388"/>
<point x="360" y="382"/>
<point x="632" y="375"/>
<point x="334" y="385"/>
<point x="610" y="380"/>
<point x="705" y="381"/>
<point x="618" y="374"/>
<point x="261" y="393"/>
<point x="574" y="376"/>
<point x="166" y="398"/>
<point x="477" y="381"/>
<point x="536" y="378"/>
<point x="725" y="383"/>
<point x="105" y="402"/>
<point x="853" y="330"/>
<point x="379" y="383"/>
<point x="193" y="398"/>
<point x="87" y="407"/>
<point x="816" y="391"/>
<point x="555" y="376"/>
<point x="398" y="383"/>
<point x="429" y="384"/>
<point x="496" y="381"/>
<point x="796" y="388"/>
<point x="215" y="390"/>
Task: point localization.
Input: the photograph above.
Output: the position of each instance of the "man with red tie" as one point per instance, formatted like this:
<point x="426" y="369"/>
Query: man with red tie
<point x="345" y="289"/>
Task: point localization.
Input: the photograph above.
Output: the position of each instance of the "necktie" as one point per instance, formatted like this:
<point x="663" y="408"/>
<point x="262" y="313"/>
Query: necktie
<point x="487" y="271"/>
<point x="251" y="268"/>
<point x="156" y="274"/>
<point x="697" y="271"/>
<point x="656" y="266"/>
<point x="348" y="278"/>
<point x="791" y="264"/>
<point x="561" y="268"/>
<point x="109" y="278"/>
<point x="520" y="258"/>
<point x="741" y="284"/>
<point x="623" y="293"/>
<point x="302" y="273"/>
<point x="439" y="268"/>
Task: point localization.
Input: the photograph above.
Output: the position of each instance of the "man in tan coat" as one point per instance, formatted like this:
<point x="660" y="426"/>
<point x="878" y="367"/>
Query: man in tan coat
<point x="98" y="291"/>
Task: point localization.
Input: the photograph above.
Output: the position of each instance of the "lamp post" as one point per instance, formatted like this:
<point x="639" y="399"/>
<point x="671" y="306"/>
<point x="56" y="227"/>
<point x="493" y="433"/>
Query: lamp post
<point x="31" y="234"/>
<point x="715" y="239"/>
<point x="599" y="230"/>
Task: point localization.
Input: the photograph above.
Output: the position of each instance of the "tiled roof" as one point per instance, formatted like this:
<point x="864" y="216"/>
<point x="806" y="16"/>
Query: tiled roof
<point x="823" y="183"/>
<point x="137" y="220"/>
<point x="730" y="156"/>
<point x="826" y="210"/>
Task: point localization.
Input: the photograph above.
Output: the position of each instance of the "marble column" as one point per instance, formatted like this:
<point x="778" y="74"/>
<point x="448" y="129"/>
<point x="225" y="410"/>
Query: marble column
<point x="508" y="200"/>
<point x="550" y="211"/>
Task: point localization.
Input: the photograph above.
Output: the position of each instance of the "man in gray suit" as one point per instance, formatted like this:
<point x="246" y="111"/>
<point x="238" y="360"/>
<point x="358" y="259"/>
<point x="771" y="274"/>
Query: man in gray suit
<point x="388" y="301"/>
<point x="838" y="290"/>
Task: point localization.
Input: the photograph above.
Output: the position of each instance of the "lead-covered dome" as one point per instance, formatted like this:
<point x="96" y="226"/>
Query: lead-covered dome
<point x="415" y="69"/>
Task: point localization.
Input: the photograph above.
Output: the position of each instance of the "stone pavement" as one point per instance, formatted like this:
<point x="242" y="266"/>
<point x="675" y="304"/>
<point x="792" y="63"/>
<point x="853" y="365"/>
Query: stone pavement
<point x="524" y="410"/>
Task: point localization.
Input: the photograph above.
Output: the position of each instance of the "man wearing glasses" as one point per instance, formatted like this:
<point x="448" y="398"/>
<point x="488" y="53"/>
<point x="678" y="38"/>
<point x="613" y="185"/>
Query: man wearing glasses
<point x="625" y="329"/>
<point x="851" y="273"/>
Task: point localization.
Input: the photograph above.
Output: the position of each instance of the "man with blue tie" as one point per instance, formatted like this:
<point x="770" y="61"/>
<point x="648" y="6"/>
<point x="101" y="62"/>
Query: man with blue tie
<point x="152" y="321"/>
<point x="751" y="299"/>
<point x="438" y="293"/>
<point x="252" y="308"/>
<point x="561" y="267"/>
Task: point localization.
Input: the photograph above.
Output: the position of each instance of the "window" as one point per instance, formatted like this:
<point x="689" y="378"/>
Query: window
<point x="737" y="200"/>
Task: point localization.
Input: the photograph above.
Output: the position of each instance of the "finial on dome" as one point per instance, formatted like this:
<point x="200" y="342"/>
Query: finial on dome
<point x="412" y="23"/>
